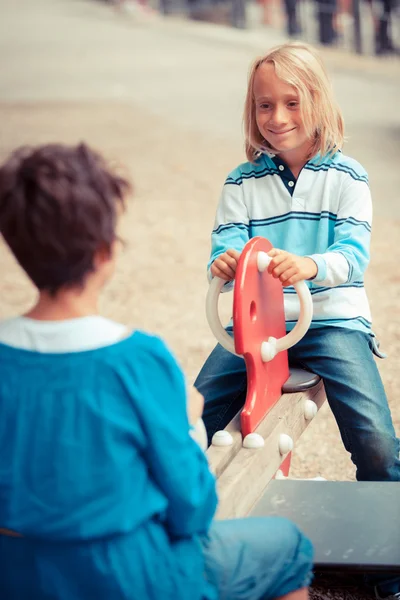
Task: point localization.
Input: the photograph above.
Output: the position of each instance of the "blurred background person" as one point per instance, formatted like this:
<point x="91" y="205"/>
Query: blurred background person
<point x="382" y="13"/>
<point x="134" y="7"/>
<point x="292" y="23"/>
<point x="326" y="11"/>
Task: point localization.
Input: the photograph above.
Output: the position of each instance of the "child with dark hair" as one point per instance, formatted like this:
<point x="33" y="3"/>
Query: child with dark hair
<point x="104" y="494"/>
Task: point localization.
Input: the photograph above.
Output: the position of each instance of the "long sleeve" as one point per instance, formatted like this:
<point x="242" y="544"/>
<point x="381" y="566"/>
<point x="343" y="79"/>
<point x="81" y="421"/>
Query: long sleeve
<point x="231" y="227"/>
<point x="177" y="464"/>
<point x="346" y="260"/>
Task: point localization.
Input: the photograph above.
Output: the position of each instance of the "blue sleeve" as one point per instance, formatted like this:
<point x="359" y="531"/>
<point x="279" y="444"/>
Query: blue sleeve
<point x="346" y="260"/>
<point x="176" y="463"/>
<point x="231" y="227"/>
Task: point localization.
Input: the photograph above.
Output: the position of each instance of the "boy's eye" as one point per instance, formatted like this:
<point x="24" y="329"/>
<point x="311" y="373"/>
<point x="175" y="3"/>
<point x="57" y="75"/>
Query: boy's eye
<point x="265" y="106"/>
<point x="293" y="104"/>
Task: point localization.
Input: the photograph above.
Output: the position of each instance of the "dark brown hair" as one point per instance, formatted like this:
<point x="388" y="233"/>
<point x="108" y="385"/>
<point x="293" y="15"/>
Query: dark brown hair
<point x="58" y="206"/>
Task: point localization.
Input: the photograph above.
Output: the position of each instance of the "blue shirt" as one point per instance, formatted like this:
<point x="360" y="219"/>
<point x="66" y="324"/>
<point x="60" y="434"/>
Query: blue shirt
<point x="325" y="214"/>
<point x="99" y="473"/>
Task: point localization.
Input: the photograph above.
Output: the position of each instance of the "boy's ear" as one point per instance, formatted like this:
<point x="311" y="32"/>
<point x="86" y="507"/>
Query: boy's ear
<point x="103" y="255"/>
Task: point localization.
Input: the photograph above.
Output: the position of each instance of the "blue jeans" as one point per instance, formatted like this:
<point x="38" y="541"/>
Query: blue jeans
<point x="354" y="389"/>
<point x="255" y="559"/>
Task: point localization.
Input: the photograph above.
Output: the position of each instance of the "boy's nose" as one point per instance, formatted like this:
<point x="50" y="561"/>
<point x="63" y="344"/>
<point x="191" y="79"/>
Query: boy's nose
<point x="279" y="116"/>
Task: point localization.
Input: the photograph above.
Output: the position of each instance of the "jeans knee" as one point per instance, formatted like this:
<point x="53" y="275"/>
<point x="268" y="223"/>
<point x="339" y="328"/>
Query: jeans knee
<point x="378" y="459"/>
<point x="290" y="542"/>
<point x="287" y="531"/>
<point x="293" y="554"/>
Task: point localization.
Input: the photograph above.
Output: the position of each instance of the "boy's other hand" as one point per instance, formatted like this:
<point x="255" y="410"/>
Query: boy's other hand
<point x="290" y="268"/>
<point x="225" y="265"/>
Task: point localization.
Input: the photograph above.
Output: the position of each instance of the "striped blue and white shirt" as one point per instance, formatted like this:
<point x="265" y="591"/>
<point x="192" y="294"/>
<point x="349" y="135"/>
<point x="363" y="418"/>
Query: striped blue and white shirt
<point x="325" y="214"/>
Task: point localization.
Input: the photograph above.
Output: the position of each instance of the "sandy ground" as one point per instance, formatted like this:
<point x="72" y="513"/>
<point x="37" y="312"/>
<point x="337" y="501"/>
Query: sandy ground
<point x="178" y="170"/>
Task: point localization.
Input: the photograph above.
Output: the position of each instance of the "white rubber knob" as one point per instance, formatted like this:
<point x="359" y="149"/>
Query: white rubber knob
<point x="263" y="261"/>
<point x="285" y="443"/>
<point x="269" y="349"/>
<point x="222" y="438"/>
<point x="310" y="410"/>
<point x="253" y="440"/>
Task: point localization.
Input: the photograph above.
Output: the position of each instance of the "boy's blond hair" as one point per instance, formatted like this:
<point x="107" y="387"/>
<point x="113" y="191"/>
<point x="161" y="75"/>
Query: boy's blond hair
<point x="300" y="66"/>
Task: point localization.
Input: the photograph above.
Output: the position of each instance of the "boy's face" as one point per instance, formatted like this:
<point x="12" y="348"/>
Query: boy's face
<point x="278" y="113"/>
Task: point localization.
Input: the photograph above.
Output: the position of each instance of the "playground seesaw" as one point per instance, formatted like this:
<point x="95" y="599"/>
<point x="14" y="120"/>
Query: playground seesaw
<point x="354" y="525"/>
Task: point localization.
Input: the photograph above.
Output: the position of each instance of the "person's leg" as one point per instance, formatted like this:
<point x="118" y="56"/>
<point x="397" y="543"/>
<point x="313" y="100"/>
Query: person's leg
<point x="384" y="41"/>
<point x="223" y="383"/>
<point x="257" y="559"/>
<point x="292" y="24"/>
<point x="326" y="10"/>
<point x="354" y="389"/>
<point x="267" y="14"/>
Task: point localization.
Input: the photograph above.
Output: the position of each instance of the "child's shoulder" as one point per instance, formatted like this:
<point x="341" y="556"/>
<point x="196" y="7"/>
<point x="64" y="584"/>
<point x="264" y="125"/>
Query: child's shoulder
<point x="146" y="358"/>
<point x="142" y="341"/>
<point x="141" y="350"/>
<point x="352" y="167"/>
<point x="261" y="166"/>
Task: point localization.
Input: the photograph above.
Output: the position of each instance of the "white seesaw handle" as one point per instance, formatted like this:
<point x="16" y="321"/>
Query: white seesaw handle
<point x="272" y="346"/>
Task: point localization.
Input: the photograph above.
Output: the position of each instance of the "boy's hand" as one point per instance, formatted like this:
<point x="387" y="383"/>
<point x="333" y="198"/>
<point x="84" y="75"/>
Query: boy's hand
<point x="225" y="265"/>
<point x="290" y="268"/>
<point x="195" y="405"/>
